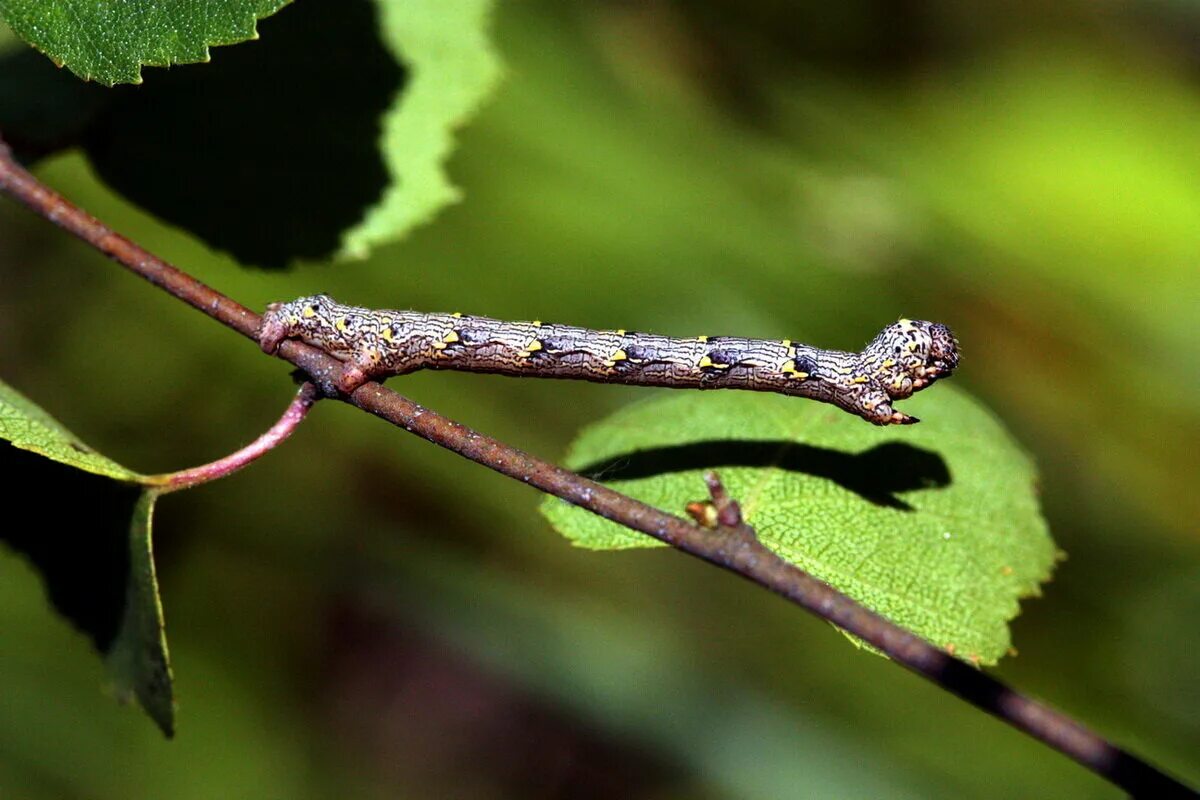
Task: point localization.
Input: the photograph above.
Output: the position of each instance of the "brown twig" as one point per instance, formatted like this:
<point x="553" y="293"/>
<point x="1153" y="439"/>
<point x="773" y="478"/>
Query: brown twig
<point x="731" y="544"/>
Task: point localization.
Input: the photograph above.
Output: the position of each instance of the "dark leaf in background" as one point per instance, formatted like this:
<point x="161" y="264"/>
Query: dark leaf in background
<point x="76" y="534"/>
<point x="271" y="150"/>
<point x="43" y="108"/>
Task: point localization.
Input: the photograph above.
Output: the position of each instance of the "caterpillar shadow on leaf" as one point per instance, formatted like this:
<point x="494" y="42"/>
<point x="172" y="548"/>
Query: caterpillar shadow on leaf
<point x="877" y="475"/>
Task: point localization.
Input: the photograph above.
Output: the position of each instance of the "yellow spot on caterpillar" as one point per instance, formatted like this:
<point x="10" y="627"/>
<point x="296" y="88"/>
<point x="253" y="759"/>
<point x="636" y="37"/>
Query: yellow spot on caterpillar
<point x="341" y="324"/>
<point x="906" y="324"/>
<point x="448" y="338"/>
<point x="386" y="333"/>
<point x="620" y="331"/>
<point x="860" y="379"/>
<point x="310" y="312"/>
<point x="844" y="370"/>
<point x="533" y="345"/>
<point x="891" y="362"/>
<point x="617" y="355"/>
<point x="912" y="347"/>
<point x="457" y="315"/>
<point x="787" y="343"/>
<point x="790" y="370"/>
<point x="537" y="323"/>
<point x="701" y="338"/>
<point x="706" y="362"/>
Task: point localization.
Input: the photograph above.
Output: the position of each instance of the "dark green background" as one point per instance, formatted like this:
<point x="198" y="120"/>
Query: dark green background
<point x="363" y="614"/>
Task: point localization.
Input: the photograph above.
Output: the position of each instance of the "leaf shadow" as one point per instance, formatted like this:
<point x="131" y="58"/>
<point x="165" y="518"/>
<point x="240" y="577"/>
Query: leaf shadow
<point x="877" y="475"/>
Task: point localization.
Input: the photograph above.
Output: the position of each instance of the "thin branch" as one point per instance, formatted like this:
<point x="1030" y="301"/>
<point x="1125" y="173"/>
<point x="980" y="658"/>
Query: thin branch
<point x="734" y="548"/>
<point x="295" y="413"/>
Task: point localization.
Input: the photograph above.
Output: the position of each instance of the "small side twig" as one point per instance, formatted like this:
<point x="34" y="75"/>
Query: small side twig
<point x="720" y="510"/>
<point x="742" y="554"/>
<point x="295" y="413"/>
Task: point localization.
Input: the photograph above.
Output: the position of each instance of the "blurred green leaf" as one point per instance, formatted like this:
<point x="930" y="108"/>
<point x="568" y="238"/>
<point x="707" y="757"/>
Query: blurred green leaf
<point x="935" y="526"/>
<point x="111" y="42"/>
<point x="93" y="548"/>
<point x="453" y="66"/>
<point x="1059" y="190"/>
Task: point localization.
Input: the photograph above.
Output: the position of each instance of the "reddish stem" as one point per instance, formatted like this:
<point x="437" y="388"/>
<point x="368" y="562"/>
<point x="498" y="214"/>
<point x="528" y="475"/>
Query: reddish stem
<point x="296" y="411"/>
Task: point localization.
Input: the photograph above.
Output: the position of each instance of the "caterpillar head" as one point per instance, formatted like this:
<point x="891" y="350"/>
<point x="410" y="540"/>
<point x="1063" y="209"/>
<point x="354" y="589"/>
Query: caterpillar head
<point x="905" y="357"/>
<point x="940" y="351"/>
<point x="296" y="318"/>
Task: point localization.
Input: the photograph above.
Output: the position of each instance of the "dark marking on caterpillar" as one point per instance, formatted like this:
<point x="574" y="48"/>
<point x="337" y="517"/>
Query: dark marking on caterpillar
<point x="639" y="353"/>
<point x="809" y="367"/>
<point x="905" y="357"/>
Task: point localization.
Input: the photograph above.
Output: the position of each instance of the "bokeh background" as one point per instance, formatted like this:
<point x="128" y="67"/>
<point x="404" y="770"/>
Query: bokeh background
<point x="362" y="614"/>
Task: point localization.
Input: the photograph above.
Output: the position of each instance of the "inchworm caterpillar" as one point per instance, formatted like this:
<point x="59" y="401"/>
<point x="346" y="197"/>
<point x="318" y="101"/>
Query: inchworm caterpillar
<point x="905" y="357"/>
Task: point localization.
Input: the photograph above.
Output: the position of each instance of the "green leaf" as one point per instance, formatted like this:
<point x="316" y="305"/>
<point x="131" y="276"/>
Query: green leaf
<point x="28" y="427"/>
<point x="93" y="547"/>
<point x="138" y="659"/>
<point x="111" y="41"/>
<point x="452" y="67"/>
<point x="935" y="525"/>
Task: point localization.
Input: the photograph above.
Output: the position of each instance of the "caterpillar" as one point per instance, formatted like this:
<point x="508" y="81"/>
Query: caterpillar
<point x="905" y="357"/>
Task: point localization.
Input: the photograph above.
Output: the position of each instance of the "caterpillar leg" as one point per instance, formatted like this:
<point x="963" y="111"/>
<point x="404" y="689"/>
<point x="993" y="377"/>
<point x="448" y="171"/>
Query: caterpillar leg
<point x="876" y="407"/>
<point x="273" y="331"/>
<point x="352" y="377"/>
<point x="362" y="366"/>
